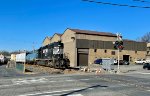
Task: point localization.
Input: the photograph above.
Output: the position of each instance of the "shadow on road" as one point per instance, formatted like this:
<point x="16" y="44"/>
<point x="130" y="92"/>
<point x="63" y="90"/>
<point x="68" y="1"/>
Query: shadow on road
<point x="95" y="86"/>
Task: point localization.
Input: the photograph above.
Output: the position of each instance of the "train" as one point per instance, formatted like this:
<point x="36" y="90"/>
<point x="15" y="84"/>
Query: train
<point x="50" y="55"/>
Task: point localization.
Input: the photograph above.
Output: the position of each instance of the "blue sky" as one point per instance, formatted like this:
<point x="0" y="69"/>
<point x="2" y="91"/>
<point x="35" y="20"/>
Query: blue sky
<point x="24" y="22"/>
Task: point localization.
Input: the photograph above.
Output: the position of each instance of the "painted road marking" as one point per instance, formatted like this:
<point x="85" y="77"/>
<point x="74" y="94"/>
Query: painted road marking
<point x="52" y="92"/>
<point x="29" y="81"/>
<point x="36" y="80"/>
<point x="146" y="73"/>
<point x="52" y="81"/>
<point x="84" y="79"/>
<point x="62" y="94"/>
<point x="90" y="88"/>
<point x="143" y="73"/>
<point x="70" y="80"/>
<point x="76" y="95"/>
<point x="8" y="85"/>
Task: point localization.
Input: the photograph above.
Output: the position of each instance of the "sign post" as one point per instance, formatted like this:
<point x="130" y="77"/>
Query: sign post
<point x="118" y="71"/>
<point x="118" y="44"/>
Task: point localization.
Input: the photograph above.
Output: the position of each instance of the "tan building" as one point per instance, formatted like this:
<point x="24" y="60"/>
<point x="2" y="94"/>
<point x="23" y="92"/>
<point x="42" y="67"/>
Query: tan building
<point x="82" y="47"/>
<point x="56" y="37"/>
<point x="46" y="41"/>
<point x="13" y="57"/>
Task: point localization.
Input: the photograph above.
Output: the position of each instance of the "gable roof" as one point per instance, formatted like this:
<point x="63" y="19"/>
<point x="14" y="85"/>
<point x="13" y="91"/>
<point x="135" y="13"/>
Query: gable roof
<point x="88" y="32"/>
<point x="47" y="37"/>
<point x="133" y="41"/>
<point x="56" y="34"/>
<point x="59" y="34"/>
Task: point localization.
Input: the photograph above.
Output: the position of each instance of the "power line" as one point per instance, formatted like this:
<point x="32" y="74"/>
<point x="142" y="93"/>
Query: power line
<point x="143" y="1"/>
<point x="115" y="4"/>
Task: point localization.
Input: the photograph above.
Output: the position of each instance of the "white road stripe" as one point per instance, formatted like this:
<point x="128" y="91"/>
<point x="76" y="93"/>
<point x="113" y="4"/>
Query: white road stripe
<point x="148" y="90"/>
<point x="34" y="81"/>
<point x="143" y="73"/>
<point x="40" y="80"/>
<point x="146" y="73"/>
<point x="84" y="79"/>
<point x="62" y="94"/>
<point x="52" y="81"/>
<point x="69" y="80"/>
<point x="8" y="85"/>
<point x="76" y="95"/>
<point x="90" y="88"/>
<point x="51" y="92"/>
<point x="29" y="81"/>
<point x="48" y="95"/>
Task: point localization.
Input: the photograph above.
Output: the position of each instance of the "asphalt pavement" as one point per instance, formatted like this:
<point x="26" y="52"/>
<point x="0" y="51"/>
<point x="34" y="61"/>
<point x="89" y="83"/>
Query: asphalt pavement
<point x="132" y="83"/>
<point x="5" y="72"/>
<point x="76" y="85"/>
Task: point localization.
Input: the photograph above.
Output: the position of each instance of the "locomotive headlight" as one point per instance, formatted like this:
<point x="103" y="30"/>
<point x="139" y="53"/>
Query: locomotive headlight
<point x="57" y="50"/>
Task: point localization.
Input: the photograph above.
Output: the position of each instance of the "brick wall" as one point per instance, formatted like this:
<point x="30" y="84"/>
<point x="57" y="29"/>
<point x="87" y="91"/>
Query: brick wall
<point x="101" y="54"/>
<point x="69" y="46"/>
<point x="46" y="41"/>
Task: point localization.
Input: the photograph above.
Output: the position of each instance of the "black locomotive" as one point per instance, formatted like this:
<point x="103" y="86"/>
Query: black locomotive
<point x="50" y="55"/>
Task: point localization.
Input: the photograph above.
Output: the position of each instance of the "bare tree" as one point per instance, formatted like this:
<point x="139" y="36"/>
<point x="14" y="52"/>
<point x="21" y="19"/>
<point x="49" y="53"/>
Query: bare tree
<point x="145" y="38"/>
<point x="5" y="53"/>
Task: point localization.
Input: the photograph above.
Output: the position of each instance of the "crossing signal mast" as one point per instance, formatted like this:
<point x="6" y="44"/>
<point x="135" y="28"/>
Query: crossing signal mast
<point x="118" y="44"/>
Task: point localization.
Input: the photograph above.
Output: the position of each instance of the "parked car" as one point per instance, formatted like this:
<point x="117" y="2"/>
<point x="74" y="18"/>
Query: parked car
<point x="98" y="61"/>
<point x="122" y="62"/>
<point x="4" y="60"/>
<point x="115" y="61"/>
<point x="140" y="61"/>
<point x="146" y="66"/>
<point x="147" y="60"/>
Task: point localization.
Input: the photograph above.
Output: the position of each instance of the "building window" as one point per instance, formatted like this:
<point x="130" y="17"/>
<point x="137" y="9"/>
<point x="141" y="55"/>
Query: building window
<point x="131" y="59"/>
<point x="95" y="50"/>
<point x="113" y="53"/>
<point x="147" y="52"/>
<point x="135" y="52"/>
<point x="105" y="51"/>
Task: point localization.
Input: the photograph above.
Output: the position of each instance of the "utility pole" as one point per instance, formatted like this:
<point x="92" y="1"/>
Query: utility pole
<point x="33" y="46"/>
<point x="118" y="71"/>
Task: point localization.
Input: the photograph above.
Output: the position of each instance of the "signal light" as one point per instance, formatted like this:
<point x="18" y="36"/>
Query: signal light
<point x="118" y="44"/>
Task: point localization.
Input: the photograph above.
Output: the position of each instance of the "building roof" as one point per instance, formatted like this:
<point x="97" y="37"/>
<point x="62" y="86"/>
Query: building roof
<point x="132" y="40"/>
<point x="59" y="34"/>
<point x="48" y="37"/>
<point x="129" y="40"/>
<point x="88" y="32"/>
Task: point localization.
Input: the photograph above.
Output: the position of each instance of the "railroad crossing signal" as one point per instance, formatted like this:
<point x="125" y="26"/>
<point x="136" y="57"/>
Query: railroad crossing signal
<point x="119" y="43"/>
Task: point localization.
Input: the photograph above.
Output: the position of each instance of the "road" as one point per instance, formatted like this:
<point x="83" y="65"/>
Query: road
<point x="128" y="84"/>
<point x="76" y="85"/>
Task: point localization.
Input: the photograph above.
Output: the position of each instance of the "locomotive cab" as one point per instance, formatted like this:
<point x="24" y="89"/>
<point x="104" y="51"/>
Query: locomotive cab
<point x="52" y="55"/>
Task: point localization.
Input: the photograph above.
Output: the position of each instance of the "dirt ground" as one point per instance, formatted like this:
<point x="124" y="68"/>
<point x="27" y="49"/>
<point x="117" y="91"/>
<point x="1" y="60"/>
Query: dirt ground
<point x="48" y="70"/>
